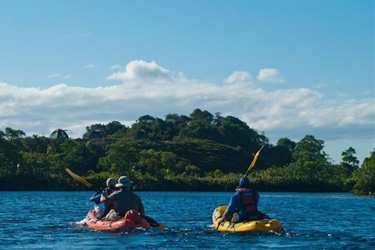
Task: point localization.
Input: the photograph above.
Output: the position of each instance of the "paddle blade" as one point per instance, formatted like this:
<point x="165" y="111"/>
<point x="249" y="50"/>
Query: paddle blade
<point x="254" y="160"/>
<point x="162" y="226"/>
<point x="153" y="222"/>
<point x="78" y="178"/>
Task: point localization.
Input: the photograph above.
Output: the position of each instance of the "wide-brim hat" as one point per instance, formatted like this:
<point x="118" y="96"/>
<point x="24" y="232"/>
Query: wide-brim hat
<point x="124" y="181"/>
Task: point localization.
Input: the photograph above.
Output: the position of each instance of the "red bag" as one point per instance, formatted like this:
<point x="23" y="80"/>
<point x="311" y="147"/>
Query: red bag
<point x="133" y="216"/>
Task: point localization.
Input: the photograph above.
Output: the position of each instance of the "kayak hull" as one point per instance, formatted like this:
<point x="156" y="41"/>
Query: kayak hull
<point x="93" y="222"/>
<point x="264" y="225"/>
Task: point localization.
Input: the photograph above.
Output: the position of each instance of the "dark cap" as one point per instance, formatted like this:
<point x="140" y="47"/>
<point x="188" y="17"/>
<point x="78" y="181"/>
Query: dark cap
<point x="244" y="182"/>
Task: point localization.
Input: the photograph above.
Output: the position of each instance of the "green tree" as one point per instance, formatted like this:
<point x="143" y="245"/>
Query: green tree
<point x="287" y="144"/>
<point x="12" y="134"/>
<point x="200" y="126"/>
<point x="36" y="144"/>
<point x="365" y="176"/>
<point x="99" y="130"/>
<point x="309" y="149"/>
<point x="158" y="163"/>
<point x="176" y="123"/>
<point x="148" y="127"/>
<point x="121" y="157"/>
<point x="10" y="155"/>
<point x="349" y="161"/>
<point x="235" y="132"/>
<point x="309" y="161"/>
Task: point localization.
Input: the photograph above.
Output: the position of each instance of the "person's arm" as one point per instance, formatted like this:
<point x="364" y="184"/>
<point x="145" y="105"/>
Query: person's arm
<point x="96" y="198"/>
<point x="107" y="199"/>
<point x="227" y="215"/>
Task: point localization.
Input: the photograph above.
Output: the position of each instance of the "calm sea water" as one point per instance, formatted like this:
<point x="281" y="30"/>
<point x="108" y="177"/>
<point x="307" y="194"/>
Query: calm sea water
<point x="46" y="220"/>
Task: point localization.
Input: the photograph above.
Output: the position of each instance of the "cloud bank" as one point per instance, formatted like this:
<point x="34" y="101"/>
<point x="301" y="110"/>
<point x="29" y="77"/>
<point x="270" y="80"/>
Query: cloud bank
<point x="270" y="75"/>
<point x="147" y="88"/>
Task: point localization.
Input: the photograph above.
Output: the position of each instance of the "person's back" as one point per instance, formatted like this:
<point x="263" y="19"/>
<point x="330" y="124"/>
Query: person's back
<point x="248" y="203"/>
<point x="243" y="205"/>
<point x="123" y="200"/>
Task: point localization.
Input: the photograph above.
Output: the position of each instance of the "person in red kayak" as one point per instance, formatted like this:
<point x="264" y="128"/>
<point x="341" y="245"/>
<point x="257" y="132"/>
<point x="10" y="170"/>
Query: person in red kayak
<point x="111" y="187"/>
<point x="243" y="205"/>
<point x="123" y="200"/>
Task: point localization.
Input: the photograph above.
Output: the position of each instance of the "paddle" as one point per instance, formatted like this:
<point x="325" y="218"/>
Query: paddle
<point x="153" y="222"/>
<point x="253" y="162"/>
<point x="150" y="220"/>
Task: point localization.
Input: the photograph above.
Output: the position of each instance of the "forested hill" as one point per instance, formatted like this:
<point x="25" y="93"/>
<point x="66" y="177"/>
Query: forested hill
<point x="199" y="152"/>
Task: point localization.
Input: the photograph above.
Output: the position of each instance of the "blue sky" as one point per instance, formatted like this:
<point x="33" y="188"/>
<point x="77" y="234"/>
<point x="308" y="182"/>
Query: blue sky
<point x="287" y="68"/>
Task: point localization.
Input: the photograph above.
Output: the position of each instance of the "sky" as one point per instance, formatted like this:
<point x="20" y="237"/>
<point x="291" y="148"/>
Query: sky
<point x="287" y="68"/>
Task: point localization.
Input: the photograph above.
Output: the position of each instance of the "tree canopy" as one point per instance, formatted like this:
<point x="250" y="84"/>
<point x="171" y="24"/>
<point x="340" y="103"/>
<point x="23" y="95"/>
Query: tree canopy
<point x="201" y="151"/>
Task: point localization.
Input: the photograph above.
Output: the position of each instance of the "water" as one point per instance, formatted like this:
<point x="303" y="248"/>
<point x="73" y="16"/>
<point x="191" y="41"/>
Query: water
<point x="45" y="220"/>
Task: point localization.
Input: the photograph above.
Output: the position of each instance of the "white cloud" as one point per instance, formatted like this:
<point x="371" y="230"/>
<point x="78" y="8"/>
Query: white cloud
<point x="142" y="70"/>
<point x="115" y="67"/>
<point x="270" y="75"/>
<point x="90" y="66"/>
<point x="238" y="76"/>
<point x="148" y="88"/>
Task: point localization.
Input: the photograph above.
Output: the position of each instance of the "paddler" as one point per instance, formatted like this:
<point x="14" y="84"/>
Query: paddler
<point x="123" y="200"/>
<point x="111" y="187"/>
<point x="243" y="205"/>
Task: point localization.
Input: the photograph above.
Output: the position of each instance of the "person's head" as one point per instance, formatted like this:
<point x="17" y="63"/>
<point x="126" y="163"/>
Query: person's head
<point x="124" y="182"/>
<point x="111" y="183"/>
<point x="244" y="183"/>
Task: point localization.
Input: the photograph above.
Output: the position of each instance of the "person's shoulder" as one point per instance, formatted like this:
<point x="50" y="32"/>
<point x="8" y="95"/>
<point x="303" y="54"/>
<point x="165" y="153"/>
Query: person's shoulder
<point x="116" y="192"/>
<point x="236" y="196"/>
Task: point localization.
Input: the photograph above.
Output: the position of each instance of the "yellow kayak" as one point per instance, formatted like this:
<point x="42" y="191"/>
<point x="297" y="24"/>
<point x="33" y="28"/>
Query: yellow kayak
<point x="264" y="225"/>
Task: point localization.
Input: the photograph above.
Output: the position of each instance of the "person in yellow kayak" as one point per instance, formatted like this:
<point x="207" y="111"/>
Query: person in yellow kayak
<point x="243" y="205"/>
<point x="123" y="200"/>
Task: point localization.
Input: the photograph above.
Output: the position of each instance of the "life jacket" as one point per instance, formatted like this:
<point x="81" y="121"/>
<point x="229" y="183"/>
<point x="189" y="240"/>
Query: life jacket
<point x="133" y="216"/>
<point x="248" y="200"/>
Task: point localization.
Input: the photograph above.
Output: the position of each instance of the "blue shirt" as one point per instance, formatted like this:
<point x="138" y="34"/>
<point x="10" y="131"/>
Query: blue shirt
<point x="96" y="199"/>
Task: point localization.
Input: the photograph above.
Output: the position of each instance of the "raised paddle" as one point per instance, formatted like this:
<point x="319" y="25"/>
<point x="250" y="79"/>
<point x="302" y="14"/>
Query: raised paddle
<point x="253" y="162"/>
<point x="78" y="178"/>
<point x="150" y="220"/>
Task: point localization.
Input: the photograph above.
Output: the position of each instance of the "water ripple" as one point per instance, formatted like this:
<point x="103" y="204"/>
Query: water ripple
<point x="46" y="220"/>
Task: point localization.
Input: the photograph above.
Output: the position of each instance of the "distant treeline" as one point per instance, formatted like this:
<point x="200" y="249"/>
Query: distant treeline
<point x="200" y="152"/>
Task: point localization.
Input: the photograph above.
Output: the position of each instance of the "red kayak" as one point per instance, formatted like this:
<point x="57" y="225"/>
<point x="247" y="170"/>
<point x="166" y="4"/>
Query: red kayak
<point x="92" y="221"/>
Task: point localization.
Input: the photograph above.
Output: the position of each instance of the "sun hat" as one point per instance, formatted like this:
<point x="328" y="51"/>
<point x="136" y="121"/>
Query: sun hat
<point x="124" y="181"/>
<point x="244" y="182"/>
<point x="111" y="182"/>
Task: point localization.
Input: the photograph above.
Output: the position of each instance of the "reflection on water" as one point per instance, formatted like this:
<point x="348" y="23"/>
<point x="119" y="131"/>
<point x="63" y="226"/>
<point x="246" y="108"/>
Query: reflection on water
<point x="46" y="220"/>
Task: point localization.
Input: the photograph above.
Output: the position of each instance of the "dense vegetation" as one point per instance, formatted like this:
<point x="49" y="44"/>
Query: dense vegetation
<point x="199" y="152"/>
